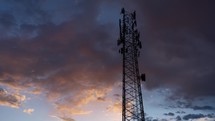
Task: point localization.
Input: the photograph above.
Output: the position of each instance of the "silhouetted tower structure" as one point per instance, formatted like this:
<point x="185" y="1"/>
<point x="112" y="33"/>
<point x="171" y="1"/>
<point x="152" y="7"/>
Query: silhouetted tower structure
<point x="132" y="102"/>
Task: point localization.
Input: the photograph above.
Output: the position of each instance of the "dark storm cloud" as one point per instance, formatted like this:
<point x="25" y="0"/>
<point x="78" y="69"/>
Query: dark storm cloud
<point x="178" y="41"/>
<point x="78" y="43"/>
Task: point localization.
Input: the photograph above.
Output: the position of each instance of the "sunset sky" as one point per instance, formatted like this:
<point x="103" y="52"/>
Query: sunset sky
<point x="59" y="59"/>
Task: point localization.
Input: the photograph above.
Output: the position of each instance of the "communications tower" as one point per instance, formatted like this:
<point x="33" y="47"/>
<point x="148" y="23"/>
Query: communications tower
<point x="132" y="102"/>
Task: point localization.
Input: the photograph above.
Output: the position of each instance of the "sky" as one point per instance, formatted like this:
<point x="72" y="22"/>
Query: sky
<point x="59" y="59"/>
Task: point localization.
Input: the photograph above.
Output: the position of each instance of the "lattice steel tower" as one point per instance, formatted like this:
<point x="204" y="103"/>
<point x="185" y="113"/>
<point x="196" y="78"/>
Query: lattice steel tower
<point x="132" y="102"/>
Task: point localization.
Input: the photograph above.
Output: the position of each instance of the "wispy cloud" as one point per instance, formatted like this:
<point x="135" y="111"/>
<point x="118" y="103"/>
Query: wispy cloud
<point x="66" y="119"/>
<point x="63" y="118"/>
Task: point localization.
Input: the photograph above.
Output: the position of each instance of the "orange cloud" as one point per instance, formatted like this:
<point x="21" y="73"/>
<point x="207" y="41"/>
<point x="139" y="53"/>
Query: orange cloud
<point x="86" y="96"/>
<point x="11" y="100"/>
<point x="73" y="105"/>
<point x="36" y="91"/>
<point x="116" y="107"/>
<point x="68" y="110"/>
<point x="28" y="111"/>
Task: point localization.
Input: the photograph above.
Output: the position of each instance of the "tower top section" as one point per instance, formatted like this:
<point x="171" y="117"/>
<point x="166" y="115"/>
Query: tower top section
<point x="128" y="31"/>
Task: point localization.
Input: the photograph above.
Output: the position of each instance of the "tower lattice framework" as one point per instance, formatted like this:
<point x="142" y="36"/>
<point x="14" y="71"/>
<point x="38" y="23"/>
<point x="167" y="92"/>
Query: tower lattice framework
<point x="132" y="102"/>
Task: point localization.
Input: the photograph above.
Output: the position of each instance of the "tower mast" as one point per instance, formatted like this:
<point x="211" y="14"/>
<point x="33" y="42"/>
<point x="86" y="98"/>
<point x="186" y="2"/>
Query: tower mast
<point x="132" y="102"/>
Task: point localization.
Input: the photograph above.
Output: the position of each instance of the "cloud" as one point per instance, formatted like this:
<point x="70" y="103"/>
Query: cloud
<point x="180" y="112"/>
<point x="203" y="108"/>
<point x="169" y="114"/>
<point x="148" y="118"/>
<point x="66" y="119"/>
<point x="7" y="20"/>
<point x="62" y="118"/>
<point x="36" y="91"/>
<point x="197" y="116"/>
<point x="116" y="107"/>
<point x="204" y="119"/>
<point x="180" y="44"/>
<point x="66" y="54"/>
<point x="73" y="105"/>
<point x="64" y="109"/>
<point x="178" y="118"/>
<point x="13" y="100"/>
<point x="187" y="104"/>
<point x="193" y="116"/>
<point x="70" y="65"/>
<point x="28" y="111"/>
<point x="156" y="119"/>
